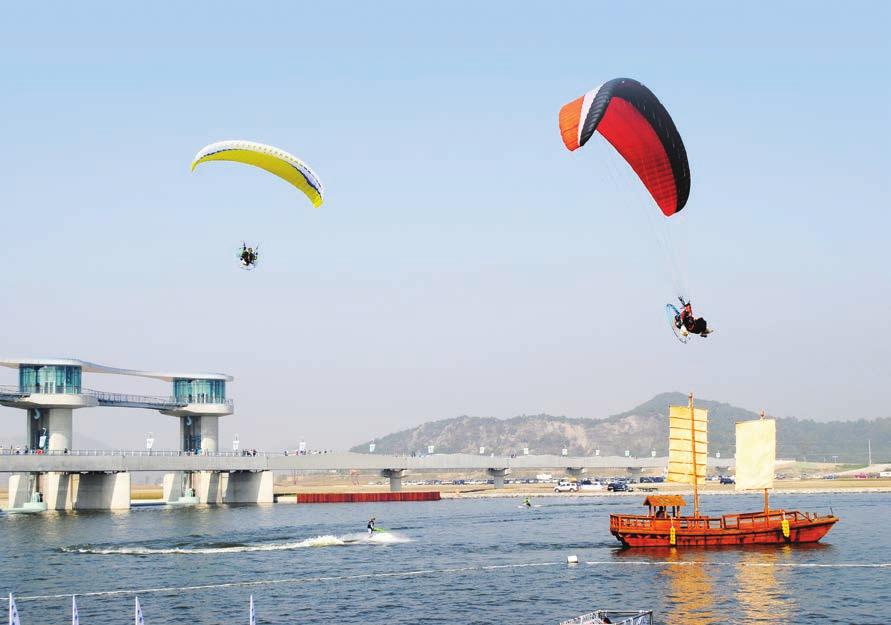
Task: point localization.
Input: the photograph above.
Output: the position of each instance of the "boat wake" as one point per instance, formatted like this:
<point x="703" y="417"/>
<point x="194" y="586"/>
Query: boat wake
<point x="328" y="540"/>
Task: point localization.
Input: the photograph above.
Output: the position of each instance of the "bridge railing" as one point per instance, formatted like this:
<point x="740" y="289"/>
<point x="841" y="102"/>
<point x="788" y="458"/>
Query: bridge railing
<point x="11" y="390"/>
<point x="125" y="398"/>
<point x="128" y="452"/>
<point x="170" y="453"/>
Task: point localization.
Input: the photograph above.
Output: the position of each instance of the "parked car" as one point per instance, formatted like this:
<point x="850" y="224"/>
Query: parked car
<point x="589" y="485"/>
<point x="619" y="487"/>
<point x="728" y="479"/>
<point x="565" y="486"/>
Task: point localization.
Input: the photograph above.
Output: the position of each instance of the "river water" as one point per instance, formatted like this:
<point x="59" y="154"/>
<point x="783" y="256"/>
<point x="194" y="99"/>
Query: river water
<point x="453" y="561"/>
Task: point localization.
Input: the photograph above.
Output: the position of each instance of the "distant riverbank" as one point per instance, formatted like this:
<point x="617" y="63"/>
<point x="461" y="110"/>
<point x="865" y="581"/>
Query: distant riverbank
<point x="152" y="493"/>
<point x="705" y="492"/>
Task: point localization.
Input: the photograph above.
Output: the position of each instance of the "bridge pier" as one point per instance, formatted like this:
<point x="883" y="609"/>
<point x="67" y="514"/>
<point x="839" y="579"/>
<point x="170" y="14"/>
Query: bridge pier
<point x="395" y="476"/>
<point x="57" y="490"/>
<point x="65" y="491"/>
<point x="20" y="487"/>
<point x="206" y="485"/>
<point x="172" y="486"/>
<point x="102" y="491"/>
<point x="219" y="487"/>
<point x="498" y="476"/>
<point x="248" y="487"/>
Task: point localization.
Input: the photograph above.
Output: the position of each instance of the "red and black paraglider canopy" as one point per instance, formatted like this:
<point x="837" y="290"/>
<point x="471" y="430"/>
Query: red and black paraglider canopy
<point x="633" y="120"/>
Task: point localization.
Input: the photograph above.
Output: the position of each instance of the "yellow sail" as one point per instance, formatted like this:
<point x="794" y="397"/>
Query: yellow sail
<point x="685" y="462"/>
<point x="756" y="451"/>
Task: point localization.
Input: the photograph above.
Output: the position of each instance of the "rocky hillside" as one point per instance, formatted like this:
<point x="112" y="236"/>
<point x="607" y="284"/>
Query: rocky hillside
<point x="639" y="430"/>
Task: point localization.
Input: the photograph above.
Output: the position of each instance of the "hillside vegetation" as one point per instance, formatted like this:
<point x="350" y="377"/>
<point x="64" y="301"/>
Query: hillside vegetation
<point x="640" y="430"/>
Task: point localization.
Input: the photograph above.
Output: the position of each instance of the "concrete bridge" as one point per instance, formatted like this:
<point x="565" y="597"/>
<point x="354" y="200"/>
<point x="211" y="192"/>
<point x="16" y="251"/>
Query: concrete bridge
<point x="141" y="460"/>
<point x="66" y="479"/>
<point x="58" y="475"/>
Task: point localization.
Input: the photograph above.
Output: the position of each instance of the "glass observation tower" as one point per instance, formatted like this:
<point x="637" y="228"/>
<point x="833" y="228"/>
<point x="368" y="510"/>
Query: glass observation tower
<point x="50" y="389"/>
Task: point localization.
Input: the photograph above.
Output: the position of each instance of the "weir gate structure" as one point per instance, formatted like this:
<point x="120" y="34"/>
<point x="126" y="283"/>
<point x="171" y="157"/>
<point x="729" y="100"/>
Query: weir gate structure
<point x="54" y="471"/>
<point x="49" y="390"/>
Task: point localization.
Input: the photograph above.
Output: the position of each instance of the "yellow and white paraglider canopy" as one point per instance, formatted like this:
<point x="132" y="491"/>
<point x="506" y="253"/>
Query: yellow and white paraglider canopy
<point x="274" y="160"/>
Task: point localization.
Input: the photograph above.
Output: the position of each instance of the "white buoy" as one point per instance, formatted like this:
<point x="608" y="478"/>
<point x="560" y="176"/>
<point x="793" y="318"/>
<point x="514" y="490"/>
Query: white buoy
<point x="572" y="560"/>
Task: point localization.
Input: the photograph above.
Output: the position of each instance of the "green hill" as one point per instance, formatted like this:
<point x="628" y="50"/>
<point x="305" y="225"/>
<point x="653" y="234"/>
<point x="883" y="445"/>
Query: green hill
<point x="640" y="430"/>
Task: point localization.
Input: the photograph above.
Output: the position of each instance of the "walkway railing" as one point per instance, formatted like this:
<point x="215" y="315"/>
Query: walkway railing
<point x="134" y="401"/>
<point x="169" y="453"/>
<point x="11" y="393"/>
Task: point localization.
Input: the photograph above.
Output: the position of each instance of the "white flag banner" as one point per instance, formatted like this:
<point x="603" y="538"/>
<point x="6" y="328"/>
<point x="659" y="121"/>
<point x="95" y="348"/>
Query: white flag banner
<point x="75" y="617"/>
<point x="13" y="612"/>
<point x="137" y="617"/>
<point x="253" y="613"/>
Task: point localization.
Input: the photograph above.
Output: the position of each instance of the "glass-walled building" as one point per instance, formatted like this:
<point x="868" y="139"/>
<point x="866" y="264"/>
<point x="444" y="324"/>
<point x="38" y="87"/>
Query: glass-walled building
<point x="56" y="383"/>
<point x="200" y="391"/>
<point x="49" y="379"/>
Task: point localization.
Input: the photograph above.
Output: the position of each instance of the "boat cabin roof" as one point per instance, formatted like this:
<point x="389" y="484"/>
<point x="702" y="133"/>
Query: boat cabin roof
<point x="665" y="500"/>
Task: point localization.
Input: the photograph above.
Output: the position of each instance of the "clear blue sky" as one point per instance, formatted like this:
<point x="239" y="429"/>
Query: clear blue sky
<point x="464" y="261"/>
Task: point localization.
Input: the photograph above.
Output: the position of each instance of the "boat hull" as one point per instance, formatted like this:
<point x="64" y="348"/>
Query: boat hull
<point x="29" y="507"/>
<point x="730" y="530"/>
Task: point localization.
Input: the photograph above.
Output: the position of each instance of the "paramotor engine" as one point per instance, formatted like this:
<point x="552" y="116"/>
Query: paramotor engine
<point x="674" y="320"/>
<point x="248" y="257"/>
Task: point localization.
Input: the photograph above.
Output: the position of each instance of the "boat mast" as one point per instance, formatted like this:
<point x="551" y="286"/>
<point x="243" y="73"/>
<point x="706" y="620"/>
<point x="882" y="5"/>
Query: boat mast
<point x="766" y="496"/>
<point x="693" y="441"/>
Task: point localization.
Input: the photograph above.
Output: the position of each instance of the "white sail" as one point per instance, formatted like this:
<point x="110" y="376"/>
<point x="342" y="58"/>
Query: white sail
<point x="683" y="460"/>
<point x="756" y="451"/>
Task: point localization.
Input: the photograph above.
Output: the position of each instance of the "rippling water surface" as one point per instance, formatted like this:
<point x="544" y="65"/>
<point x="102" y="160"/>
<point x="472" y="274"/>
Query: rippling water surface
<point x="471" y="561"/>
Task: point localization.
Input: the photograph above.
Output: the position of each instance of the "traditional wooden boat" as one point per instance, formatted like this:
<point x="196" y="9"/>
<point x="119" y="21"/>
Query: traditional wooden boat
<point x="665" y="526"/>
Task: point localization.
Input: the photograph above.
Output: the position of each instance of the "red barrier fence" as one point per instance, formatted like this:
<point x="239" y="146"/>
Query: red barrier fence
<point x="430" y="495"/>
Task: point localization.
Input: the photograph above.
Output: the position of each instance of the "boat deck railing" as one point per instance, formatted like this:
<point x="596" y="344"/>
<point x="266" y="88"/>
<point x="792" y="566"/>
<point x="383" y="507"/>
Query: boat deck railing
<point x="747" y="520"/>
<point x="617" y="617"/>
<point x="757" y="519"/>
